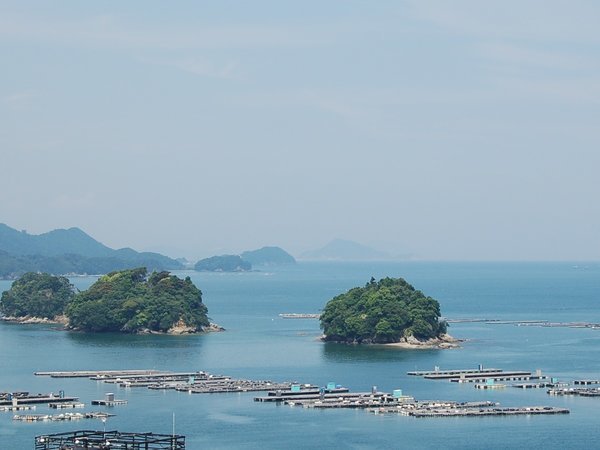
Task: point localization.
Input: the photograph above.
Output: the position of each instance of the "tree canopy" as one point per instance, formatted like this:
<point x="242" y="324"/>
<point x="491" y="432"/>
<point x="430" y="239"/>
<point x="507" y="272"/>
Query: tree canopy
<point x="223" y="263"/>
<point x="381" y="312"/>
<point x="133" y="301"/>
<point x="37" y="295"/>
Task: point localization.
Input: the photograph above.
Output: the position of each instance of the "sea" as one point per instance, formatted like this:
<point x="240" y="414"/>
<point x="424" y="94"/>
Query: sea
<point x="259" y="344"/>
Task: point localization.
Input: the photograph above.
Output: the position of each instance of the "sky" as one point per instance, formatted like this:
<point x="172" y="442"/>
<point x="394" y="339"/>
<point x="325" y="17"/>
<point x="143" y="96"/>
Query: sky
<point x="462" y="130"/>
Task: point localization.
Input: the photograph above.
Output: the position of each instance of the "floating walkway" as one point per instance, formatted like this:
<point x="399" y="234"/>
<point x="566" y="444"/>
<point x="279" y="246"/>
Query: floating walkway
<point x="582" y="392"/>
<point x="37" y="399"/>
<point x="299" y="316"/>
<point x="69" y="405"/>
<point x="97" y="373"/>
<point x="60" y="417"/>
<point x="17" y="408"/>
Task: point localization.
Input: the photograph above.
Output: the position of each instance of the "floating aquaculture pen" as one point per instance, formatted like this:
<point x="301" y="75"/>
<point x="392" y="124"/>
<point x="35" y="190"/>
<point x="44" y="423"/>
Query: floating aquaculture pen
<point x="98" y="440"/>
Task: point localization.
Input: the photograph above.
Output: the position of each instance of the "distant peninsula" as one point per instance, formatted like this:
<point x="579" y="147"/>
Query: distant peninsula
<point x="268" y="256"/>
<point x="265" y="256"/>
<point x="69" y="251"/>
<point x="223" y="263"/>
<point x="389" y="311"/>
<point x="127" y="301"/>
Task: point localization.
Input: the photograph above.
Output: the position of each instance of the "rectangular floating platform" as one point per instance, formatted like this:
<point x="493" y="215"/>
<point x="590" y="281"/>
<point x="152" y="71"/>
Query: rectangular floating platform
<point x="60" y="417"/>
<point x="335" y="395"/>
<point x="475" y="412"/>
<point x="39" y="399"/>
<point x="69" y="405"/>
<point x="480" y="375"/>
<point x="299" y="316"/>
<point x="97" y="373"/>
<point x="450" y="373"/>
<point x="585" y="382"/>
<point x="490" y="386"/>
<point x="582" y="392"/>
<point x="17" y="408"/>
<point x="109" y="402"/>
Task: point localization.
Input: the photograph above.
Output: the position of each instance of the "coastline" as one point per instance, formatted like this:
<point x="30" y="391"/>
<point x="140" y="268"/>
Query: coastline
<point x="27" y="320"/>
<point x="444" y="342"/>
<point x="178" y="330"/>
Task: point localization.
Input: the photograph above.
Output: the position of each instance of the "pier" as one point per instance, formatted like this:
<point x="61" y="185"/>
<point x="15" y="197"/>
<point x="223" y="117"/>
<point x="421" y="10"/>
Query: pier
<point x="97" y="373"/>
<point x="69" y="405"/>
<point x="109" y="400"/>
<point x="61" y="417"/>
<point x="582" y="392"/>
<point x="450" y="373"/>
<point x="299" y="316"/>
<point x="36" y="399"/>
<point x="479" y="375"/>
<point x="586" y="382"/>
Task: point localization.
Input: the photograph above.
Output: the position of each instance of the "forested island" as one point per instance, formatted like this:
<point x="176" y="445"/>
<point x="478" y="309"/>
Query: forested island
<point x="268" y="256"/>
<point x="128" y="301"/>
<point x="37" y="297"/>
<point x="265" y="256"/>
<point x="384" y="312"/>
<point x="223" y="263"/>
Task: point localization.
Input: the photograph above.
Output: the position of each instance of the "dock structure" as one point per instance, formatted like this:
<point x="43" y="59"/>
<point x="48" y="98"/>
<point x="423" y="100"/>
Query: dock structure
<point x="437" y="408"/>
<point x="97" y="373"/>
<point x="582" y="392"/>
<point x="81" y="439"/>
<point x="227" y="386"/>
<point x="12" y="408"/>
<point x="67" y="405"/>
<point x="36" y="399"/>
<point x="299" y="316"/>
<point x="109" y="400"/>
<point x="479" y="375"/>
<point x="586" y="382"/>
<point x="437" y="373"/>
<point x="60" y="417"/>
<point x="473" y="412"/>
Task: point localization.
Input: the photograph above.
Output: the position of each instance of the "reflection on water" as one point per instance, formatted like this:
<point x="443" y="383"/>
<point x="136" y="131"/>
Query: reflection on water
<point x="121" y="340"/>
<point x="342" y="353"/>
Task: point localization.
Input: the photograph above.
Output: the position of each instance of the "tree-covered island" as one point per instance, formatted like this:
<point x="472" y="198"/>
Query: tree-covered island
<point x="37" y="297"/>
<point x="128" y="301"/>
<point x="384" y="312"/>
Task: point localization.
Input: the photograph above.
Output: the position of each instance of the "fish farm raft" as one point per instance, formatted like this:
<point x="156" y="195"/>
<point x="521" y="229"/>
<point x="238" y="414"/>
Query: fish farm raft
<point x="104" y="440"/>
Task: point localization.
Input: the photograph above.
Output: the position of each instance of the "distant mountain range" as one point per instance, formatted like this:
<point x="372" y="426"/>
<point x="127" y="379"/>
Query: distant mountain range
<point x="69" y="251"/>
<point x="343" y="250"/>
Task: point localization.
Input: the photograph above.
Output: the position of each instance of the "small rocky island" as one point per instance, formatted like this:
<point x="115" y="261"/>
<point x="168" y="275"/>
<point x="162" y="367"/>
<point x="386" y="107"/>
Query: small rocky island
<point x="390" y="311"/>
<point x="128" y="301"/>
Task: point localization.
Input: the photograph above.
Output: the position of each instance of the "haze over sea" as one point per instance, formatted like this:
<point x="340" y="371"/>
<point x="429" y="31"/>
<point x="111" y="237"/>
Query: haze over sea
<point x="258" y="344"/>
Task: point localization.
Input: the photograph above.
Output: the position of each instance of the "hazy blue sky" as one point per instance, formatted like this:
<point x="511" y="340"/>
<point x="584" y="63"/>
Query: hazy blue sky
<point x="451" y="130"/>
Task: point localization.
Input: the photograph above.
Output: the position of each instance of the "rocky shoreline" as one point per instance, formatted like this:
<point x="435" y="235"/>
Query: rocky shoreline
<point x="180" y="328"/>
<point x="443" y="342"/>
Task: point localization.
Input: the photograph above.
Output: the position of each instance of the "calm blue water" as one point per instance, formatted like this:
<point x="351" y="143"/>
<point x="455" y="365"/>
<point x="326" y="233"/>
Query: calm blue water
<point x="258" y="344"/>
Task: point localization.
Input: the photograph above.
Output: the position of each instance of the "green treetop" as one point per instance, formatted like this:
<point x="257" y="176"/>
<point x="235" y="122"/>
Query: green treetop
<point x="132" y="301"/>
<point x="37" y="295"/>
<point x="381" y="312"/>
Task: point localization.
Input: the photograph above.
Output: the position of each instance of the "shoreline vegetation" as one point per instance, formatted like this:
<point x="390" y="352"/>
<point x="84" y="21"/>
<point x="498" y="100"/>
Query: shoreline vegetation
<point x="128" y="301"/>
<point x="177" y="330"/>
<point x="388" y="311"/>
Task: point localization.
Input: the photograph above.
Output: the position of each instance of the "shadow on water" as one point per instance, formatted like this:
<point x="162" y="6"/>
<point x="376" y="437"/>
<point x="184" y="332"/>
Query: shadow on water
<point x="343" y="353"/>
<point x="121" y="340"/>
